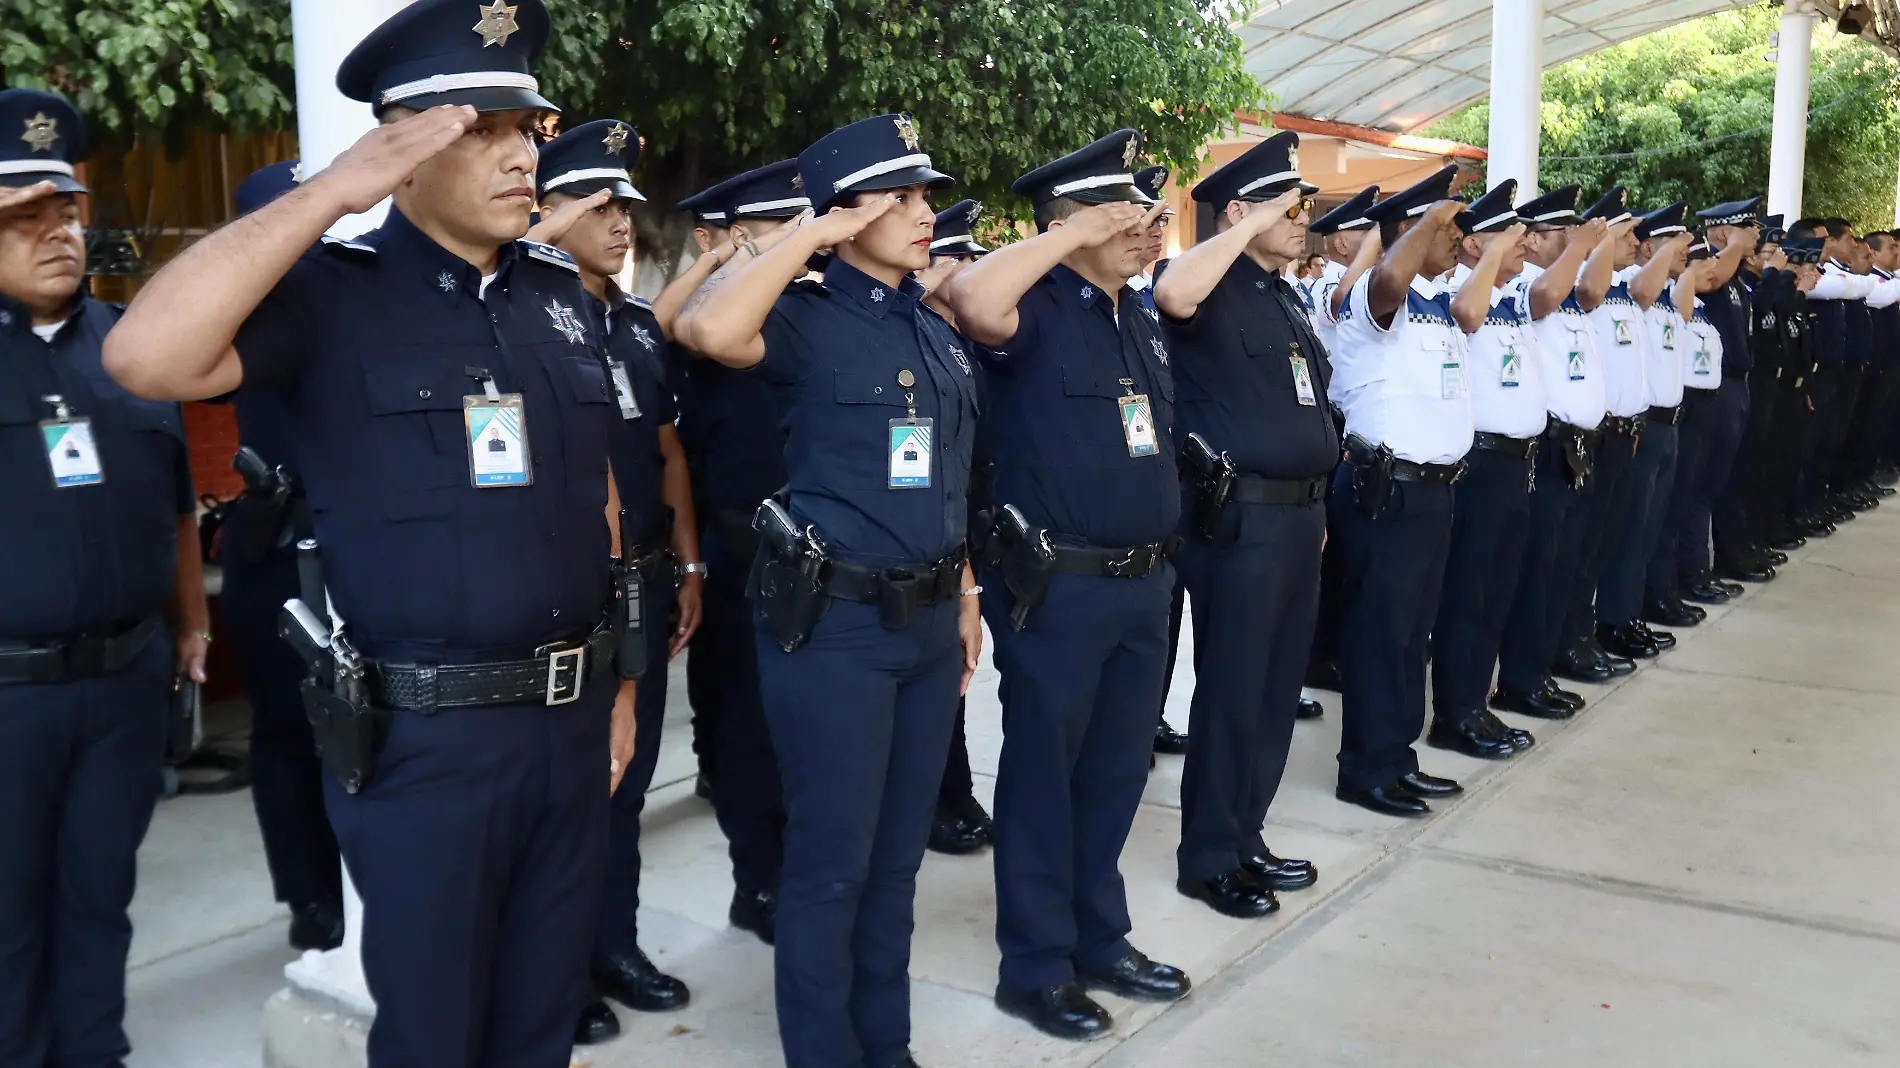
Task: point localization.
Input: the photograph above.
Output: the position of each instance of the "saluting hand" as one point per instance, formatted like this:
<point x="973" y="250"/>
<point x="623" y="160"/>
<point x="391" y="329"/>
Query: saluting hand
<point x="1777" y="260"/>
<point x="384" y="158"/>
<point x="14" y="197"/>
<point x="1445" y="214"/>
<point x="841" y="224"/>
<point x="1591" y="233"/>
<point x="1266" y="216"/>
<point x="1618" y="231"/>
<point x="555" y="224"/>
<point x="1097" y="224"/>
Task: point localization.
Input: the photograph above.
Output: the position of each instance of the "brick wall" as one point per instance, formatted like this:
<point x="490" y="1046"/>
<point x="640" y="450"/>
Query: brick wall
<point x="212" y="435"/>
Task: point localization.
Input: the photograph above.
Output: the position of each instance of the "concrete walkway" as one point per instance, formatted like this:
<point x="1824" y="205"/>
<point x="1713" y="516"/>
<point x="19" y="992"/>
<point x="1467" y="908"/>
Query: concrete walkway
<point x="1698" y="870"/>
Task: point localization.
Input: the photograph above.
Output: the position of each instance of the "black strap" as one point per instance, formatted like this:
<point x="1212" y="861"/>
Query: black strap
<point x="86" y="656"/>
<point x="1560" y="431"/>
<point x="1133" y="562"/>
<point x="936" y="581"/>
<point x="1362" y="452"/>
<point x="1253" y="489"/>
<point x="1518" y="448"/>
<point x="555" y="675"/>
<point x="1660" y="414"/>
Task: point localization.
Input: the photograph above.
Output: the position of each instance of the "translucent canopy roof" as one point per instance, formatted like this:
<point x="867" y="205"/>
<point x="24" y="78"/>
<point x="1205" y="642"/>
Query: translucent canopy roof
<point x="1400" y="64"/>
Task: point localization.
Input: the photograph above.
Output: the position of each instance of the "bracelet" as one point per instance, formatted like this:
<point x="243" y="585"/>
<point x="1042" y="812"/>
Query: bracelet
<point x="694" y="568"/>
<point x="972" y="591"/>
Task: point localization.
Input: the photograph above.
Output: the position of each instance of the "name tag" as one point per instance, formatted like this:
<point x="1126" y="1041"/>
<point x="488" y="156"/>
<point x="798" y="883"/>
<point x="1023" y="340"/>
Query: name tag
<point x="1512" y="371"/>
<point x="1576" y="367"/>
<point x="910" y="453"/>
<point x="1669" y="337"/>
<point x="1704" y="364"/>
<point x="71" y="452"/>
<point x="623" y="392"/>
<point x="1303" y="381"/>
<point x="1451" y="380"/>
<point x="1138" y="425"/>
<point x="497" y="441"/>
<point x="1623" y="332"/>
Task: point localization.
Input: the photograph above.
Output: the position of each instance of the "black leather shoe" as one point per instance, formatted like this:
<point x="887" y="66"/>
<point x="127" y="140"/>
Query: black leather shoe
<point x="703" y="787"/>
<point x="1424" y="785"/>
<point x="1169" y="741"/>
<point x="1471" y="737"/>
<point x="597" y="1024"/>
<point x="755" y="911"/>
<point x="1626" y="640"/>
<point x="316" y="926"/>
<point x="1137" y="978"/>
<point x="1749" y="572"/>
<point x="1536" y="705"/>
<point x="1578" y="665"/>
<point x="1063" y="1009"/>
<point x="632" y="980"/>
<point x="1278" y="874"/>
<point x="1661" y="639"/>
<point x="1230" y="894"/>
<point x="1572" y="701"/>
<point x="1667" y="615"/>
<point x="1775" y="558"/>
<point x="1385" y="800"/>
<point x="1787" y="543"/>
<point x="1323" y="675"/>
<point x="1618" y="665"/>
<point x="1733" y="589"/>
<point x="1309" y="709"/>
<point x="1519" y="739"/>
<point x="1705" y="593"/>
<point x="954" y="832"/>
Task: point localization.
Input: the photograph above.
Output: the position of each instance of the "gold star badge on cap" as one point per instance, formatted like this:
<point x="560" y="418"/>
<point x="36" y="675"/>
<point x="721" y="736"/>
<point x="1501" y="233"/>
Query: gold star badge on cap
<point x="1128" y="153"/>
<point x="616" y="139"/>
<point x="41" y="132"/>
<point x="906" y="132"/>
<point x="498" y="23"/>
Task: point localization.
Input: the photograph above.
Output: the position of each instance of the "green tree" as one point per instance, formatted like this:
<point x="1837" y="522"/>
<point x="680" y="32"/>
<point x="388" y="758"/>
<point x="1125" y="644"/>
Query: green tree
<point x="1703" y="80"/>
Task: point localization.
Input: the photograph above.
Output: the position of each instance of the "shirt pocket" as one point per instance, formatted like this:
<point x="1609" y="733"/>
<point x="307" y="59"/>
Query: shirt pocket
<point x="1271" y="359"/>
<point x="855" y="444"/>
<point x="417" y="439"/>
<point x="1418" y="366"/>
<point x="587" y="425"/>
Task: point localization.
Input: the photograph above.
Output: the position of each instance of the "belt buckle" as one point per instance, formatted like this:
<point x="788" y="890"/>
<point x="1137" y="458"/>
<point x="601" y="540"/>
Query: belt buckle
<point x="571" y="661"/>
<point x="1315" y="490"/>
<point x="1122" y="566"/>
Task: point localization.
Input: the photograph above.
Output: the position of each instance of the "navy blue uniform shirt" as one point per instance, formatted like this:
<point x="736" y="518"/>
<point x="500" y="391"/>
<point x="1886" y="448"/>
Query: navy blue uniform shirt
<point x="369" y="343"/>
<point x="83" y="559"/>
<point x="1727" y="309"/>
<point x="742" y="444"/>
<point x="1061" y="454"/>
<point x="634" y="341"/>
<point x="1233" y="375"/>
<point x="1857" y="330"/>
<point x="836" y="351"/>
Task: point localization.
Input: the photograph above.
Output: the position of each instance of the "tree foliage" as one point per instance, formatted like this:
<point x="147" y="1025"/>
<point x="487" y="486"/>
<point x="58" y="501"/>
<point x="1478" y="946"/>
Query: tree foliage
<point x="1708" y="79"/>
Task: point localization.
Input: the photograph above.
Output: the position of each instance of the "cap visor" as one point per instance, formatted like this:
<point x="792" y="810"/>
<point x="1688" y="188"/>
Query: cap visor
<point x="903" y="179"/>
<point x="961" y="248"/>
<point x="1261" y="196"/>
<point x="620" y="188"/>
<point x="1110" y="194"/>
<point x="62" y="183"/>
<point x="483" y="99"/>
<point x="775" y="213"/>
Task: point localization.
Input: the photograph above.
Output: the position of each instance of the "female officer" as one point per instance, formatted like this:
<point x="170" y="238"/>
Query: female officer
<point x="868" y="628"/>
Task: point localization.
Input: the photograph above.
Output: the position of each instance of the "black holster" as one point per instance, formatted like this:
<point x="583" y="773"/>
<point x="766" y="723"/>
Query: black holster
<point x="1578" y="463"/>
<point x="787" y="581"/>
<point x="630" y="620"/>
<point x="350" y="732"/>
<point x="258" y="520"/>
<point x="1026" y="560"/>
<point x="1212" y="476"/>
<point x="1372" y="481"/>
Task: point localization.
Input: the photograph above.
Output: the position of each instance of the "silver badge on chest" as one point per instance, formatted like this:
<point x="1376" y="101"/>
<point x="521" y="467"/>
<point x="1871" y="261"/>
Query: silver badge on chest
<point x="564" y="321"/>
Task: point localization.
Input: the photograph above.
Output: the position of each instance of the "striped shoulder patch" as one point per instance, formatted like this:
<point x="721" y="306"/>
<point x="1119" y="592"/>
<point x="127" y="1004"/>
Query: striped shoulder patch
<point x="343" y="243"/>
<point x="535" y="250"/>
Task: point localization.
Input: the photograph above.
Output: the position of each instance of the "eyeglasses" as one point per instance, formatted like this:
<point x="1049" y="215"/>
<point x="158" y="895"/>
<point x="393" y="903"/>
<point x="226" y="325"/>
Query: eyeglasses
<point x="1303" y="206"/>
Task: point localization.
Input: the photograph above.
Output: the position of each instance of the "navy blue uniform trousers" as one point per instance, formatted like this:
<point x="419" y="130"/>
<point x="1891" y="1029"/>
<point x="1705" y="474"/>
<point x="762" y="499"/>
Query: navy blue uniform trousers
<point x="1255" y="591"/>
<point x="619" y="929"/>
<point x="79" y="777"/>
<point x="1491" y="520"/>
<point x="1651" y="478"/>
<point x="1693" y="441"/>
<point x="860" y="716"/>
<point x="747" y="798"/>
<point x="479" y="849"/>
<point x="1080" y="683"/>
<point x="1606" y="513"/>
<point x="1721" y="444"/>
<point x="1393" y="570"/>
<point x="1534" y="633"/>
<point x="1737" y="522"/>
<point x="286" y="775"/>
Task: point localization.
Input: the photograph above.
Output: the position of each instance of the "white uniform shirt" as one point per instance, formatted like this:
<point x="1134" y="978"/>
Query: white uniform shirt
<point x="1621" y="337"/>
<point x="1404" y="386"/>
<point x="1666" y="357"/>
<point x="1701" y="348"/>
<point x="1506" y="374"/>
<point x="1320" y="297"/>
<point x="1566" y="346"/>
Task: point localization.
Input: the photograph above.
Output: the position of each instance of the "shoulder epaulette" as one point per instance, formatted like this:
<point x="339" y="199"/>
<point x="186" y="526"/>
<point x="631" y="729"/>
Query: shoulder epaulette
<point x="640" y="302"/>
<point x="549" y="254"/>
<point x="347" y="243"/>
<point x="810" y="285"/>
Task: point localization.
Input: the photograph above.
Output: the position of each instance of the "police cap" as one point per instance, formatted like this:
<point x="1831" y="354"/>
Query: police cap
<point x="41" y="138"/>
<point x="591" y="157"/>
<point x="437" y="52"/>
<point x="1101" y="172"/>
<point x="878" y="153"/>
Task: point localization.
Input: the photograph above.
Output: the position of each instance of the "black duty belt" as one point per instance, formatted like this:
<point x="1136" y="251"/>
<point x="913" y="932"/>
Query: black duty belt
<point x="1560" y="431"/>
<point x="87" y="656"/>
<point x="1361" y="452"/>
<point x="938" y="581"/>
<point x="554" y="674"/>
<point x="1666" y="416"/>
<point x="1255" y="489"/>
<point x="1517" y="448"/>
<point x="1135" y="561"/>
<point x="1626" y="425"/>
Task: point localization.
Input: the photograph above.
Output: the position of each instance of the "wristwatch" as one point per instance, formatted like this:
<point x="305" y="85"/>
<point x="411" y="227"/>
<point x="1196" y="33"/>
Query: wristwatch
<point x="694" y="568"/>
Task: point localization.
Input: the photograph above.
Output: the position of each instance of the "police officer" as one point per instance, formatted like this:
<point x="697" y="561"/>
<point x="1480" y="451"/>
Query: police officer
<point x="1740" y="527"/>
<point x="960" y="825"/>
<point x="99" y="559"/>
<point x="259" y="560"/>
<point x="585" y="187"/>
<point x="452" y="411"/>
<point x="1732" y="226"/>
<point x="1259" y="443"/>
<point x="1153" y="183"/>
<point x="868" y="624"/>
<point x="1837" y="288"/>
<point x="1665" y="244"/>
<point x="1081" y="401"/>
<point x="1701" y="351"/>
<point x="735" y="418"/>
<point x="1399" y="372"/>
<point x="1492" y="512"/>
<point x="1790" y="271"/>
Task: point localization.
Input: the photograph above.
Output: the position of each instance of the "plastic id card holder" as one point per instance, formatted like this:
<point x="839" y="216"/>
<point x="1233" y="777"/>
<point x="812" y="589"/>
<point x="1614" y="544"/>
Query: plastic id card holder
<point x="497" y="441"/>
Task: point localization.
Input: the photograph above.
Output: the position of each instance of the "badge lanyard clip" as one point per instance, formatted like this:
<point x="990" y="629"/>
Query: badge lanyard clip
<point x="487" y="380"/>
<point x="61" y="410"/>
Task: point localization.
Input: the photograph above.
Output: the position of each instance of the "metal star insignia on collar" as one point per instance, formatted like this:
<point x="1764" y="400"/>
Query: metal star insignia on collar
<point x="563" y="318"/>
<point x="445" y="282"/>
<point x="645" y="339"/>
<point x="296" y="171"/>
<point x="906" y="131"/>
<point x="1128" y="153"/>
<point x="1088" y="292"/>
<point x="616" y="139"/>
<point x="962" y="360"/>
<point x="877" y="295"/>
<point x="498" y="23"/>
<point x="1161" y="352"/>
<point x="41" y="132"/>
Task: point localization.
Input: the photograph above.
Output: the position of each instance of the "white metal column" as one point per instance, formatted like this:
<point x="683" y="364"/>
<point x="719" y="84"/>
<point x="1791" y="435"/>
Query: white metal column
<point x="1517" y="93"/>
<point x="1788" y="150"/>
<point x="322" y="33"/>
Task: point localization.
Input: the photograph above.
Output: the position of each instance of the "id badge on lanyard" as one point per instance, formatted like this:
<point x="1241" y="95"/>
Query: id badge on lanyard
<point x="623" y="391"/>
<point x="70" y="450"/>
<point x="1511" y="373"/>
<point x="497" y="427"/>
<point x="1138" y="421"/>
<point x="1575" y="359"/>
<point x="910" y="442"/>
